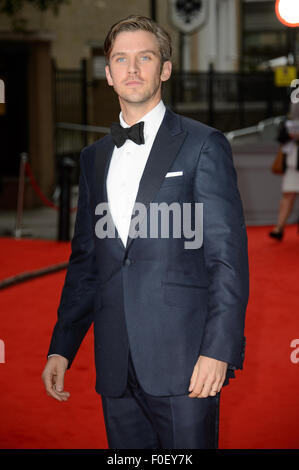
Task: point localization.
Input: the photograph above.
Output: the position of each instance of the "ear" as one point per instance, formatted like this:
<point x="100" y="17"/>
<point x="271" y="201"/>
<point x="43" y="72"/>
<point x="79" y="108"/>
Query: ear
<point x="108" y="75"/>
<point x="166" y="71"/>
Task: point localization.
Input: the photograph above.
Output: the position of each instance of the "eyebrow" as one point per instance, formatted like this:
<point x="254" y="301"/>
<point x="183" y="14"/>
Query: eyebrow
<point x="146" y="51"/>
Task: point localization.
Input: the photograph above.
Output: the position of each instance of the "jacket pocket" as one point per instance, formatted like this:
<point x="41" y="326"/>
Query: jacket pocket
<point x="172" y="181"/>
<point x="185" y="295"/>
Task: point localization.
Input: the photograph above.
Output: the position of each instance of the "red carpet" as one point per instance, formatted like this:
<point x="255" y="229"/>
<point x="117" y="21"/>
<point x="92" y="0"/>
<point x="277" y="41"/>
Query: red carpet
<point x="18" y="256"/>
<point x="259" y="408"/>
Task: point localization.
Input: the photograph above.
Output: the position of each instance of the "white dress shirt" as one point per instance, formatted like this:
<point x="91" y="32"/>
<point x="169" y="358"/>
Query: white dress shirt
<point x="126" y="167"/>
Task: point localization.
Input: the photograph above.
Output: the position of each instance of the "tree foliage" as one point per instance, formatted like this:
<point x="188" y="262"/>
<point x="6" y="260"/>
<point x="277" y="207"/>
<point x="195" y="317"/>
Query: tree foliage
<point x="13" y="7"/>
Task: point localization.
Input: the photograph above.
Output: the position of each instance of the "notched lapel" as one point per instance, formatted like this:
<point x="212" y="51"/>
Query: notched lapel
<point x="166" y="146"/>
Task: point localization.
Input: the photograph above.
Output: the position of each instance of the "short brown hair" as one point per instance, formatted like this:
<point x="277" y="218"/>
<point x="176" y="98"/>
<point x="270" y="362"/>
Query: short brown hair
<point x="139" y="23"/>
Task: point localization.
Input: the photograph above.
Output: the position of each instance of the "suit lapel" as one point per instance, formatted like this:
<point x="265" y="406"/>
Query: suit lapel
<point x="102" y="162"/>
<point x="166" y="146"/>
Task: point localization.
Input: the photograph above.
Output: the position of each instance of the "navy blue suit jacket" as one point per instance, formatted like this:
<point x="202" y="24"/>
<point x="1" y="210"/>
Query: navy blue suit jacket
<point x="165" y="303"/>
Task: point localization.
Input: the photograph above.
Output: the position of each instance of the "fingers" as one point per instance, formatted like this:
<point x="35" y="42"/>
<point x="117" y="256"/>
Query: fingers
<point x="207" y="378"/>
<point x="59" y="380"/>
<point x="196" y="383"/>
<point x="53" y="378"/>
<point x="193" y="379"/>
<point x="211" y="389"/>
<point x="60" y="396"/>
<point x="51" y="390"/>
<point x="205" y="388"/>
<point x="199" y="388"/>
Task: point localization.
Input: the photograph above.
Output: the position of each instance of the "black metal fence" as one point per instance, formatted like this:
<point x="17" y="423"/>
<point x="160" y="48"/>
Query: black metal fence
<point x="228" y="100"/>
<point x="70" y="95"/>
<point x="70" y="106"/>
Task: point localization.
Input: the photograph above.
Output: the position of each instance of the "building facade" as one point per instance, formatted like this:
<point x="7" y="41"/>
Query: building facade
<point x="39" y="65"/>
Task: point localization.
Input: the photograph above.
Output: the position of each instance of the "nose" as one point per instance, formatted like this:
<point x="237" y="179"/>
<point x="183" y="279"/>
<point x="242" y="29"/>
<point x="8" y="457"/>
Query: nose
<point x="133" y="66"/>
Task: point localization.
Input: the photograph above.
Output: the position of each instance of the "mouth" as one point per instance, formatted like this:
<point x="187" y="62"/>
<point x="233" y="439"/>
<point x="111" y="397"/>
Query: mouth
<point x="133" y="83"/>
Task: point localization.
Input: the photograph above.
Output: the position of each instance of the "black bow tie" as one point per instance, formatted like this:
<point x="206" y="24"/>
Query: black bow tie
<point x="120" y="134"/>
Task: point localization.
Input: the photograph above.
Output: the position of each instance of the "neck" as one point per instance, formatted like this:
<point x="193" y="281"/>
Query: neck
<point x="133" y="112"/>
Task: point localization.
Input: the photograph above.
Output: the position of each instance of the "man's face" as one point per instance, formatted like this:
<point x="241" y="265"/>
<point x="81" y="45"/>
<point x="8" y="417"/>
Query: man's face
<point x="135" y="67"/>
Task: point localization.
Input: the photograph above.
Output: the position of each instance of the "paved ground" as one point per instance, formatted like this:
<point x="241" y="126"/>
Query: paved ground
<point x="36" y="223"/>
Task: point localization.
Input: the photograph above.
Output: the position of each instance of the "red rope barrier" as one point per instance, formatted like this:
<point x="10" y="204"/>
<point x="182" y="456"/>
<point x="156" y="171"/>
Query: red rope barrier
<point x="39" y="192"/>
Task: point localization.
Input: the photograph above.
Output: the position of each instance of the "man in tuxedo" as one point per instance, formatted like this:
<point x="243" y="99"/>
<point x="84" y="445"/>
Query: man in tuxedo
<point x="168" y="317"/>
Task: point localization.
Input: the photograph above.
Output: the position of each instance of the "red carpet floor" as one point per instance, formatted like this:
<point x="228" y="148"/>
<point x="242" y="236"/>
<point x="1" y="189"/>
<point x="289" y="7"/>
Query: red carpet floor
<point x="260" y="408"/>
<point x="18" y="256"/>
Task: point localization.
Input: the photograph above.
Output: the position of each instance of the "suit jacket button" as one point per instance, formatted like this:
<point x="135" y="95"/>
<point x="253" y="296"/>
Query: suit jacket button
<point x="128" y="261"/>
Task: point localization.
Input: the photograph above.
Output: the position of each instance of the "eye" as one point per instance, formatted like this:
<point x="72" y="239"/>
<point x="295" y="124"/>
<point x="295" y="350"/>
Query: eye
<point x="120" y="59"/>
<point x="144" y="58"/>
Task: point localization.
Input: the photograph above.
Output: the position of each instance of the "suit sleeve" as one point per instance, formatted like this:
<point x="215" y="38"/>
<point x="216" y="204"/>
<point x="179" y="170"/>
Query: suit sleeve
<point x="225" y="252"/>
<point x="75" y="311"/>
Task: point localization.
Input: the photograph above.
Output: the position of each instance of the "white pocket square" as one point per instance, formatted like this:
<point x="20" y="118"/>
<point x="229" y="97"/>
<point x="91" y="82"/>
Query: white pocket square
<point x="173" y="173"/>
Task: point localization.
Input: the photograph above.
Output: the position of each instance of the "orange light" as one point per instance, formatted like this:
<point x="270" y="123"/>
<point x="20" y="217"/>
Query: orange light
<point x="287" y="11"/>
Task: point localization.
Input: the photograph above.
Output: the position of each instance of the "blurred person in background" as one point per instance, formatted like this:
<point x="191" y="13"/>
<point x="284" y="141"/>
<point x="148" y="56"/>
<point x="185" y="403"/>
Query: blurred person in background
<point x="288" y="137"/>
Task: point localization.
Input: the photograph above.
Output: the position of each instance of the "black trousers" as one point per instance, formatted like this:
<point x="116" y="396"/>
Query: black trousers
<point x="138" y="420"/>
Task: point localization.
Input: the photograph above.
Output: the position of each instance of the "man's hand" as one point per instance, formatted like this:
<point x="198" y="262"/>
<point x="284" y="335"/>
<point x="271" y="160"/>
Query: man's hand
<point x="207" y="378"/>
<point x="53" y="377"/>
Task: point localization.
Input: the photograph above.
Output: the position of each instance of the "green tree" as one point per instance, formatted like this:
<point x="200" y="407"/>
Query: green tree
<point x="13" y="9"/>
